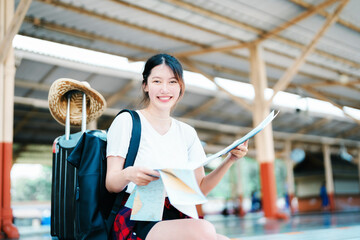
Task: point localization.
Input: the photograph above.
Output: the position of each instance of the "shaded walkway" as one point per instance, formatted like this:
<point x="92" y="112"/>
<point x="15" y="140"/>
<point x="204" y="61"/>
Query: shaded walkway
<point x="343" y="233"/>
<point x="337" y="226"/>
<point x="255" y="226"/>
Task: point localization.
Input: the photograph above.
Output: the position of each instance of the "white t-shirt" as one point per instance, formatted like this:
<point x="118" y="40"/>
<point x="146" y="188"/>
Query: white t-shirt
<point x="180" y="147"/>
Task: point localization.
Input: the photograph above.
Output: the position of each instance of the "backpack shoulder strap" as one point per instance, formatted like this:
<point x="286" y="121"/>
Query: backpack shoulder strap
<point x="135" y="138"/>
<point x="129" y="161"/>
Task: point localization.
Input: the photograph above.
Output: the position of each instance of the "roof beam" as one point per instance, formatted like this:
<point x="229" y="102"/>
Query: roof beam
<point x="170" y="18"/>
<point x="246" y="74"/>
<point x="42" y="80"/>
<point x="314" y="125"/>
<point x="211" y="14"/>
<point x="230" y="21"/>
<point x="232" y="129"/>
<point x="223" y="128"/>
<point x="83" y="34"/>
<point x="236" y="99"/>
<point x="24" y="120"/>
<point x="300" y="17"/>
<point x="120" y="94"/>
<point x="325" y="14"/>
<point x="131" y="58"/>
<point x="350" y="132"/>
<point x="32" y="85"/>
<point x="216" y="138"/>
<point x="321" y="96"/>
<point x="263" y="35"/>
<point x="203" y="107"/>
<point x="6" y="42"/>
<point x="318" y="9"/>
<point x="292" y="70"/>
<point x="91" y="36"/>
<point x="312" y="63"/>
<point x="103" y="17"/>
<point x="328" y="83"/>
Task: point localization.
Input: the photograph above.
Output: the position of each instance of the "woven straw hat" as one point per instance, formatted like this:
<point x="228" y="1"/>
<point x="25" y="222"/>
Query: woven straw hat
<point x="95" y="102"/>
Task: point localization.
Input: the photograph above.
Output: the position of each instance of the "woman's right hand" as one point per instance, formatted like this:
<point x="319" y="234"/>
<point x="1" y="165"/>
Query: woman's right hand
<point x="140" y="175"/>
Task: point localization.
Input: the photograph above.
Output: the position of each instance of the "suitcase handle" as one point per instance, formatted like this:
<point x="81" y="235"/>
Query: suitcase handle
<point x="67" y="120"/>
<point x="83" y="120"/>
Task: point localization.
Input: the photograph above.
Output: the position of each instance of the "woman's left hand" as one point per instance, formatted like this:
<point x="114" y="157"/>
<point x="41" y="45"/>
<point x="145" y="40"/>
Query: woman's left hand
<point x="239" y="152"/>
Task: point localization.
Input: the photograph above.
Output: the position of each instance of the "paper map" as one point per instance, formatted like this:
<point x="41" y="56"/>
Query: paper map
<point x="147" y="202"/>
<point x="236" y="143"/>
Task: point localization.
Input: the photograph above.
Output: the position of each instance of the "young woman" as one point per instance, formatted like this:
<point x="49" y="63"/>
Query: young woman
<point x="165" y="142"/>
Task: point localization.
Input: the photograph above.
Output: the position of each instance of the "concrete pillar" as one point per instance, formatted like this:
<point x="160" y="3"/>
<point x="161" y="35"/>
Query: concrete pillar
<point x="264" y="141"/>
<point x="2" y="80"/>
<point x="290" y="174"/>
<point x="329" y="176"/>
<point x="239" y="188"/>
<point x="7" y="76"/>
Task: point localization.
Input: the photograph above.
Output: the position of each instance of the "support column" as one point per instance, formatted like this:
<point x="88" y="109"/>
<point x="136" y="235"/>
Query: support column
<point x="264" y="141"/>
<point x="2" y="76"/>
<point x="7" y="76"/>
<point x="290" y="175"/>
<point x="239" y="188"/>
<point x="329" y="176"/>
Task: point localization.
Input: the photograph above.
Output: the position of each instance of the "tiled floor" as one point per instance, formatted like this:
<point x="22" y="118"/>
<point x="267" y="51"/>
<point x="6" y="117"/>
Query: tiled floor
<point x="337" y="226"/>
<point x="311" y="226"/>
<point x="343" y="233"/>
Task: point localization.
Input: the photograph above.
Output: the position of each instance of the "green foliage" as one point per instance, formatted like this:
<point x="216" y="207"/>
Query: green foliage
<point x="34" y="189"/>
<point x="249" y="178"/>
<point x="280" y="177"/>
<point x="222" y="190"/>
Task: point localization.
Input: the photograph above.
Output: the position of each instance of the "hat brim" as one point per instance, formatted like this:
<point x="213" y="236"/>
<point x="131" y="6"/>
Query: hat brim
<point x="58" y="93"/>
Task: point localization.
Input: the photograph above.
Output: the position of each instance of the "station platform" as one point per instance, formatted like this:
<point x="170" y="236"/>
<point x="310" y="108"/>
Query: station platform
<point x="330" y="226"/>
<point x="340" y="225"/>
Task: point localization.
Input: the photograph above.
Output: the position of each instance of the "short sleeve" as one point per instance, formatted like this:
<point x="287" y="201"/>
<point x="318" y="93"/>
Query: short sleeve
<point x="118" y="136"/>
<point x="196" y="151"/>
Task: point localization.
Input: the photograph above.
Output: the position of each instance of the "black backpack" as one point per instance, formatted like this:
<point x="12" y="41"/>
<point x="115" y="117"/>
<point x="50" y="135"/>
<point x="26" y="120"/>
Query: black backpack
<point x="96" y="208"/>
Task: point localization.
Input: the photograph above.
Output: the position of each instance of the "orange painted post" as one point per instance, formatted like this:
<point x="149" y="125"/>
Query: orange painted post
<point x="264" y="141"/>
<point x="268" y="187"/>
<point x="7" y="225"/>
<point x="7" y="76"/>
<point x="1" y="139"/>
<point x="2" y="76"/>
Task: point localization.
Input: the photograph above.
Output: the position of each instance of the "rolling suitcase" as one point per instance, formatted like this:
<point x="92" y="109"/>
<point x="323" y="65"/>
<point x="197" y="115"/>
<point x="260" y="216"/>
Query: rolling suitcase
<point x="64" y="181"/>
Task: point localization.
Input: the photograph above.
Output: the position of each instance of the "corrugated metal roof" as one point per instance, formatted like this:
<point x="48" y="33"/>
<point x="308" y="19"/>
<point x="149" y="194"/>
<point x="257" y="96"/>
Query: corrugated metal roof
<point x="138" y="29"/>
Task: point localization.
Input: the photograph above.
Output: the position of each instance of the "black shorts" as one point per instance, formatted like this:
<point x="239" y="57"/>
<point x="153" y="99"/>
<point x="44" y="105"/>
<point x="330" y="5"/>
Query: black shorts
<point x="142" y="228"/>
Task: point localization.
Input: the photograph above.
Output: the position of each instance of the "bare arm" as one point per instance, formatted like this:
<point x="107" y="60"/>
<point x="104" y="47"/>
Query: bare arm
<point x="208" y="182"/>
<point x="117" y="178"/>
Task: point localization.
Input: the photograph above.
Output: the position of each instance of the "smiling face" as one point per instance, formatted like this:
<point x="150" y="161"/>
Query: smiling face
<point x="163" y="83"/>
<point x="163" y="88"/>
